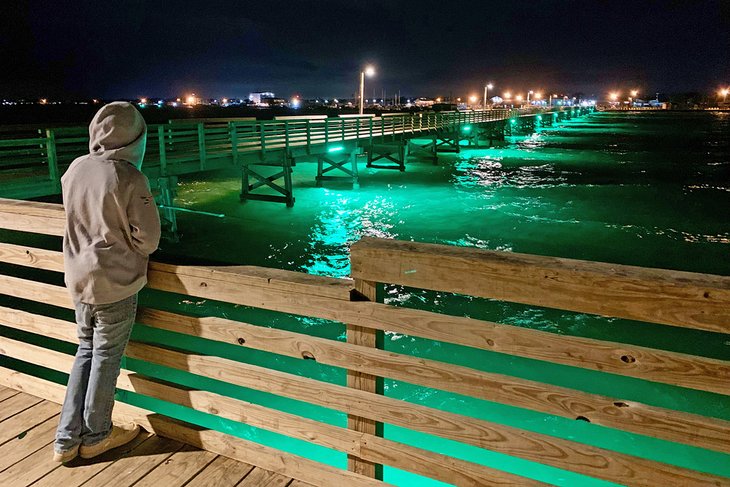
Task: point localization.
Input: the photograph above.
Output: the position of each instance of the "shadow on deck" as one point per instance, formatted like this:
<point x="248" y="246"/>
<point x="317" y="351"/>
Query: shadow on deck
<point x="27" y="427"/>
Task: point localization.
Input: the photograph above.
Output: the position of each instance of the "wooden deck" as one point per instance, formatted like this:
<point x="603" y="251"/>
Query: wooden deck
<point x="27" y="426"/>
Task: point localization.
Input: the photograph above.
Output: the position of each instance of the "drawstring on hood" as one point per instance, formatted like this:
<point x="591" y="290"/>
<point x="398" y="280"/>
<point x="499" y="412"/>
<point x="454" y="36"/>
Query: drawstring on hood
<point x="118" y="132"/>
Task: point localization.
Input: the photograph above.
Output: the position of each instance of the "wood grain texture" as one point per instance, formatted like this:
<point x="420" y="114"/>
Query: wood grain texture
<point x="612" y="466"/>
<point x="36" y="438"/>
<point x="222" y="472"/>
<point x="361" y="445"/>
<point x="667" y="367"/>
<point x="178" y="468"/>
<point x="26" y="420"/>
<point x="691" y="300"/>
<point x="613" y="412"/>
<point x="246" y="451"/>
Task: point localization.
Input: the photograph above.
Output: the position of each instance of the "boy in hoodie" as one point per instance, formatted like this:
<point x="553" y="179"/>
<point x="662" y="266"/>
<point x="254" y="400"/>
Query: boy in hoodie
<point x="112" y="225"/>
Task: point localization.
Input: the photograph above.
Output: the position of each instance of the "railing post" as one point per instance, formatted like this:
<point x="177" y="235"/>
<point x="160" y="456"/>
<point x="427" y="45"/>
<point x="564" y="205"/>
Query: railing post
<point x="163" y="151"/>
<point x="53" y="173"/>
<point x="201" y="145"/>
<point x="365" y="337"/>
<point x="233" y="133"/>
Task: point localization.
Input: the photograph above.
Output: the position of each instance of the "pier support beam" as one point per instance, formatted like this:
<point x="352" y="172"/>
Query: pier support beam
<point x="427" y="150"/>
<point x="395" y="152"/>
<point x="252" y="178"/>
<point x="448" y="141"/>
<point x="338" y="158"/>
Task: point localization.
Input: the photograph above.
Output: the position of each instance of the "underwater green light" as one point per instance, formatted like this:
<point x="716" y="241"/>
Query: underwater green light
<point x="513" y="121"/>
<point x="539" y="117"/>
<point x="336" y="149"/>
<point x="466" y="128"/>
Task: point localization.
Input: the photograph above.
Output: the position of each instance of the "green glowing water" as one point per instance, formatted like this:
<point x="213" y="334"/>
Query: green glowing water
<point x="648" y="189"/>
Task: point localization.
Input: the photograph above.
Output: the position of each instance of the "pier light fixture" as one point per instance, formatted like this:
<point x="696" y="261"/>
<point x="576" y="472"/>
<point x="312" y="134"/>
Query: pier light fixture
<point x="518" y="97"/>
<point x="368" y="71"/>
<point x="473" y="98"/>
<point x="538" y="96"/>
<point x="507" y="95"/>
<point x="724" y="92"/>
<point x="634" y="93"/>
<point x="438" y="100"/>
<point x="614" y="96"/>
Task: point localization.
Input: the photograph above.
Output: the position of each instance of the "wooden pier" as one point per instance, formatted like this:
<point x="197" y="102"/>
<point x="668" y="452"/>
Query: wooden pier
<point x="33" y="161"/>
<point x="33" y="362"/>
<point x="28" y="424"/>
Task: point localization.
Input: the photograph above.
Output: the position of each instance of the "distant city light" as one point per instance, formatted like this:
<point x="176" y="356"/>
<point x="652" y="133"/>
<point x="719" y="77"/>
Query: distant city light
<point x="490" y="86"/>
<point x="191" y="99"/>
<point x="614" y="96"/>
<point x="473" y="98"/>
<point x="295" y="102"/>
<point x="507" y="95"/>
<point x="369" y="71"/>
<point x="438" y="100"/>
<point x="225" y="101"/>
<point x="538" y="96"/>
<point x="143" y="101"/>
<point x="43" y="101"/>
<point x="634" y="93"/>
<point x="518" y="97"/>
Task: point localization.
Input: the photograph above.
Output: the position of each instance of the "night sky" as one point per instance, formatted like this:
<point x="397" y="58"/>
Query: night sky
<point x="137" y="48"/>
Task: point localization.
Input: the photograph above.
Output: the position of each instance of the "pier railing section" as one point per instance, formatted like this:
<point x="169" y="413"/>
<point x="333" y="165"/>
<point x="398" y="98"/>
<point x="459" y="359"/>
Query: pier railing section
<point x="192" y="367"/>
<point x="32" y="161"/>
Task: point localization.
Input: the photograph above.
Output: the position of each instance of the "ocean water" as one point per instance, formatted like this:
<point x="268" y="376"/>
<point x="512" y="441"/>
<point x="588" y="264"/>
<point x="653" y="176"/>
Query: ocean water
<point x="647" y="189"/>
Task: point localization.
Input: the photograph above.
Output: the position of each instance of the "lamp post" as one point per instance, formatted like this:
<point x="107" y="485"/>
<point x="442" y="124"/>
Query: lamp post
<point x="487" y="87"/>
<point x="724" y="92"/>
<point x="370" y="71"/>
<point x="528" y="96"/>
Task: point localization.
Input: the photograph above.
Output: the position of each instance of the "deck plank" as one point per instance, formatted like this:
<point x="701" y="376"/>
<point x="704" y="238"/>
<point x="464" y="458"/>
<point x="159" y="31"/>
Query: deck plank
<point x="221" y="472"/>
<point x="16" y="404"/>
<point x="79" y="470"/>
<point x="6" y="393"/>
<point x="128" y="470"/>
<point x="178" y="468"/>
<point x="264" y="478"/>
<point x="22" y="446"/>
<point x="25" y="420"/>
<point x="30" y="468"/>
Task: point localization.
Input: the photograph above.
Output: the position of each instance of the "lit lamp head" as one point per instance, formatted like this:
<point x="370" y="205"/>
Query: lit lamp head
<point x="634" y="93"/>
<point x="518" y="98"/>
<point x="537" y="96"/>
<point x="490" y="86"/>
<point x="725" y="91"/>
<point x="473" y="98"/>
<point x="369" y="71"/>
<point x="507" y="95"/>
<point x="614" y="96"/>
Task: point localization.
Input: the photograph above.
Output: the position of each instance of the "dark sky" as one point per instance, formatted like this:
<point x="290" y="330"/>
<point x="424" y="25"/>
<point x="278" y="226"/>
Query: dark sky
<point x="136" y="48"/>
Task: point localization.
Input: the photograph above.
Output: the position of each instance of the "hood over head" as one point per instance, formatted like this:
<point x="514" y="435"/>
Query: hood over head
<point x="118" y="132"/>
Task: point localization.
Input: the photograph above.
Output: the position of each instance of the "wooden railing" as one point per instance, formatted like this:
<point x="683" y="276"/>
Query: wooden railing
<point x="32" y="334"/>
<point x="31" y="164"/>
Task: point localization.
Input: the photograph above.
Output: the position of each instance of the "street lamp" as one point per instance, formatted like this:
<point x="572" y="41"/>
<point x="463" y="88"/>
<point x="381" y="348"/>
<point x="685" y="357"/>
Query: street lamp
<point x="369" y="71"/>
<point x="473" y="99"/>
<point x="724" y="92"/>
<point x="528" y="96"/>
<point x="487" y="87"/>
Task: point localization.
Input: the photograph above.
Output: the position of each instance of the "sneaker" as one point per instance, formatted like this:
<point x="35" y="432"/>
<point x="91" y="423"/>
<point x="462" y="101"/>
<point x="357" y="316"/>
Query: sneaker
<point x="66" y="456"/>
<point x="119" y="436"/>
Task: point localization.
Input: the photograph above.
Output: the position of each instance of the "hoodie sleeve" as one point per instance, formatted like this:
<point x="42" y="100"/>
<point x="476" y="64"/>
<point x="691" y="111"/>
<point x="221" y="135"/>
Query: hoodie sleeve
<point x="144" y="219"/>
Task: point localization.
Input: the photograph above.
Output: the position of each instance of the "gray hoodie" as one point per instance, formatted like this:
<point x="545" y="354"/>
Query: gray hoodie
<point x="112" y="224"/>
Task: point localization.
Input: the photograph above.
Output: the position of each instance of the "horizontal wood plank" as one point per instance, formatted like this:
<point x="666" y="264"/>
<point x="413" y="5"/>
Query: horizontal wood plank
<point x="691" y="300"/>
<point x="243" y="450"/>
<point x="672" y="368"/>
<point x="585" y="459"/>
<point x="630" y="416"/>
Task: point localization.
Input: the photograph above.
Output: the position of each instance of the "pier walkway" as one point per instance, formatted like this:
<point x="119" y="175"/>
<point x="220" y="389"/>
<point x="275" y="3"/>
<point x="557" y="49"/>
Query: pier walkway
<point x="27" y="427"/>
<point x="32" y="161"/>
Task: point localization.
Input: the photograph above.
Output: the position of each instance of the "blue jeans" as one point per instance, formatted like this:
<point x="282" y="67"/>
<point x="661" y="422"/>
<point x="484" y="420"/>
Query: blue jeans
<point x="103" y="330"/>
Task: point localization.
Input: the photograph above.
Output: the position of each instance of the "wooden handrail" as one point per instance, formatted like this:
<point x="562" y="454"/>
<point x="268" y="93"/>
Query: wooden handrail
<point x="354" y="303"/>
<point x="685" y="299"/>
